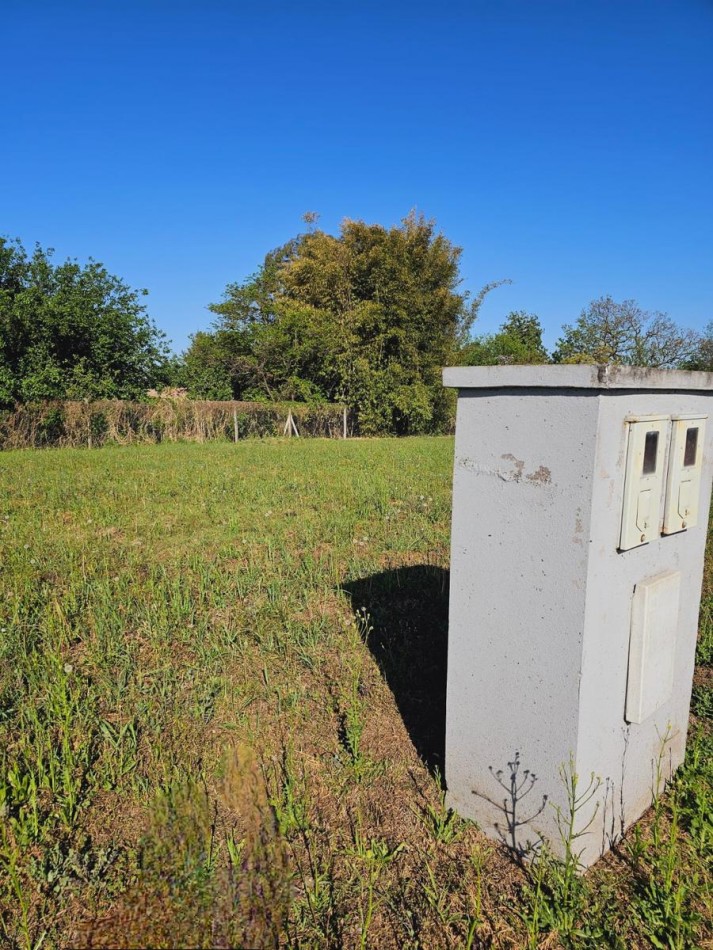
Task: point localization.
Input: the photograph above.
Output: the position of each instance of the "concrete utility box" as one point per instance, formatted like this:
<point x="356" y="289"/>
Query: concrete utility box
<point x="580" y="512"/>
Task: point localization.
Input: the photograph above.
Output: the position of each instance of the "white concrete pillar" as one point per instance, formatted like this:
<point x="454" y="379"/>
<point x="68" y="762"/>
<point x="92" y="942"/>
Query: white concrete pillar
<point x="564" y="647"/>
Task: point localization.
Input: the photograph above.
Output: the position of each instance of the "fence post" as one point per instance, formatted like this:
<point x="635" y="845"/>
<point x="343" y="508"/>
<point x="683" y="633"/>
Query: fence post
<point x="344" y="429"/>
<point x="235" y="424"/>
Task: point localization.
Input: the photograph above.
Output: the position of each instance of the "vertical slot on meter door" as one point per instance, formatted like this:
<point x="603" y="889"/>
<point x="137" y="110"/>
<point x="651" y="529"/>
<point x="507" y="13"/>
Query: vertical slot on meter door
<point x="643" y="481"/>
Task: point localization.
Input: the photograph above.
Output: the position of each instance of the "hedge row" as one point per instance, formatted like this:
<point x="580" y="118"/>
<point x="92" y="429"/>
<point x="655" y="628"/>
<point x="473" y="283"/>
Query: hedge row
<point x="112" y="421"/>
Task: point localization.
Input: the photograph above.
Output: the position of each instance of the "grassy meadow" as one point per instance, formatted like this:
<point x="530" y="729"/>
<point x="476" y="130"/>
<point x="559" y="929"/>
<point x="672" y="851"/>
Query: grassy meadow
<point x="222" y="686"/>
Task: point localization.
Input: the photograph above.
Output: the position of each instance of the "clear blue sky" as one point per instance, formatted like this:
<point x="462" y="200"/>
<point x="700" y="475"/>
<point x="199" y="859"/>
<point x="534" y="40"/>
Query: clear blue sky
<point x="565" y="145"/>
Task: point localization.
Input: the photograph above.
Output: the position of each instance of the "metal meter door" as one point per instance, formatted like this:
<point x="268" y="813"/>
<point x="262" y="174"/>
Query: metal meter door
<point x="683" y="486"/>
<point x="643" y="481"/>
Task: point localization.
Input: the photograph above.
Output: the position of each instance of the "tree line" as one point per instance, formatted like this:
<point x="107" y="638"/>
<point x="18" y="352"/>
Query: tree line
<point x="366" y="318"/>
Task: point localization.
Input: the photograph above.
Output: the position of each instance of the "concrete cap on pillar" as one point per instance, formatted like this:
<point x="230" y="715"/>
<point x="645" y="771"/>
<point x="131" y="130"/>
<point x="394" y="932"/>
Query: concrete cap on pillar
<point x="575" y="376"/>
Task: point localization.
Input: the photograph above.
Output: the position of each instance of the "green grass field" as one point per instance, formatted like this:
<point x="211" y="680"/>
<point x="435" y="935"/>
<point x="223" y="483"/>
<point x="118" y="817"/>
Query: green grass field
<point x="221" y="717"/>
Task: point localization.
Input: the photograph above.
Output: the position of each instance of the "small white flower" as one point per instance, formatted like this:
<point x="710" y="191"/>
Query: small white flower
<point x="68" y="667"/>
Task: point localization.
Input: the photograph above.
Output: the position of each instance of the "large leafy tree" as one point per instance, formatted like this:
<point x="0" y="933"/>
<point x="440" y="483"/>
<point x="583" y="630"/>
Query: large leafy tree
<point x="610" y="332"/>
<point x="368" y="317"/>
<point x="72" y="331"/>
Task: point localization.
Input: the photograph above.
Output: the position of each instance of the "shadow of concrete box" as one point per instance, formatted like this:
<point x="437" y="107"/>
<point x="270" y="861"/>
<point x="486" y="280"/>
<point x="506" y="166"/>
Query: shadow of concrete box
<point x="407" y="611"/>
<point x="580" y="513"/>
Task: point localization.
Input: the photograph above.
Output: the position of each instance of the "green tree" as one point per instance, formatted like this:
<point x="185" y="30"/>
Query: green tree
<point x="68" y="331"/>
<point x="527" y="330"/>
<point x="610" y="332"/>
<point x="368" y="317"/>
<point x="701" y="357"/>
<point x="519" y="340"/>
<point x="204" y="369"/>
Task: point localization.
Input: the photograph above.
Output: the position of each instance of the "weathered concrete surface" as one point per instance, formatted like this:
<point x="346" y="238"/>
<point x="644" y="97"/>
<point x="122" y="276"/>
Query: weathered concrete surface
<point x="541" y="602"/>
<point x="583" y="376"/>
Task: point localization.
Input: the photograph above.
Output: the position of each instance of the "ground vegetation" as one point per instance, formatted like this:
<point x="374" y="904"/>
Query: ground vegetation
<point x="222" y="688"/>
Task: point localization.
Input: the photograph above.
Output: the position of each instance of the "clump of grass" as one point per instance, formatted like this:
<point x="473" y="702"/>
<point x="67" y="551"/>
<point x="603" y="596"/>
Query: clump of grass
<point x="704" y="649"/>
<point x="663" y="898"/>
<point x="374" y="855"/>
<point x="702" y="702"/>
<point x="442" y="822"/>
<point x="694" y="795"/>
<point x="557" y="894"/>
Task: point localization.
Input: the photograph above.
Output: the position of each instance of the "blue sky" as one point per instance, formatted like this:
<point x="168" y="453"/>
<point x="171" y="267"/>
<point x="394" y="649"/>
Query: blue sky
<point x="567" y="146"/>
